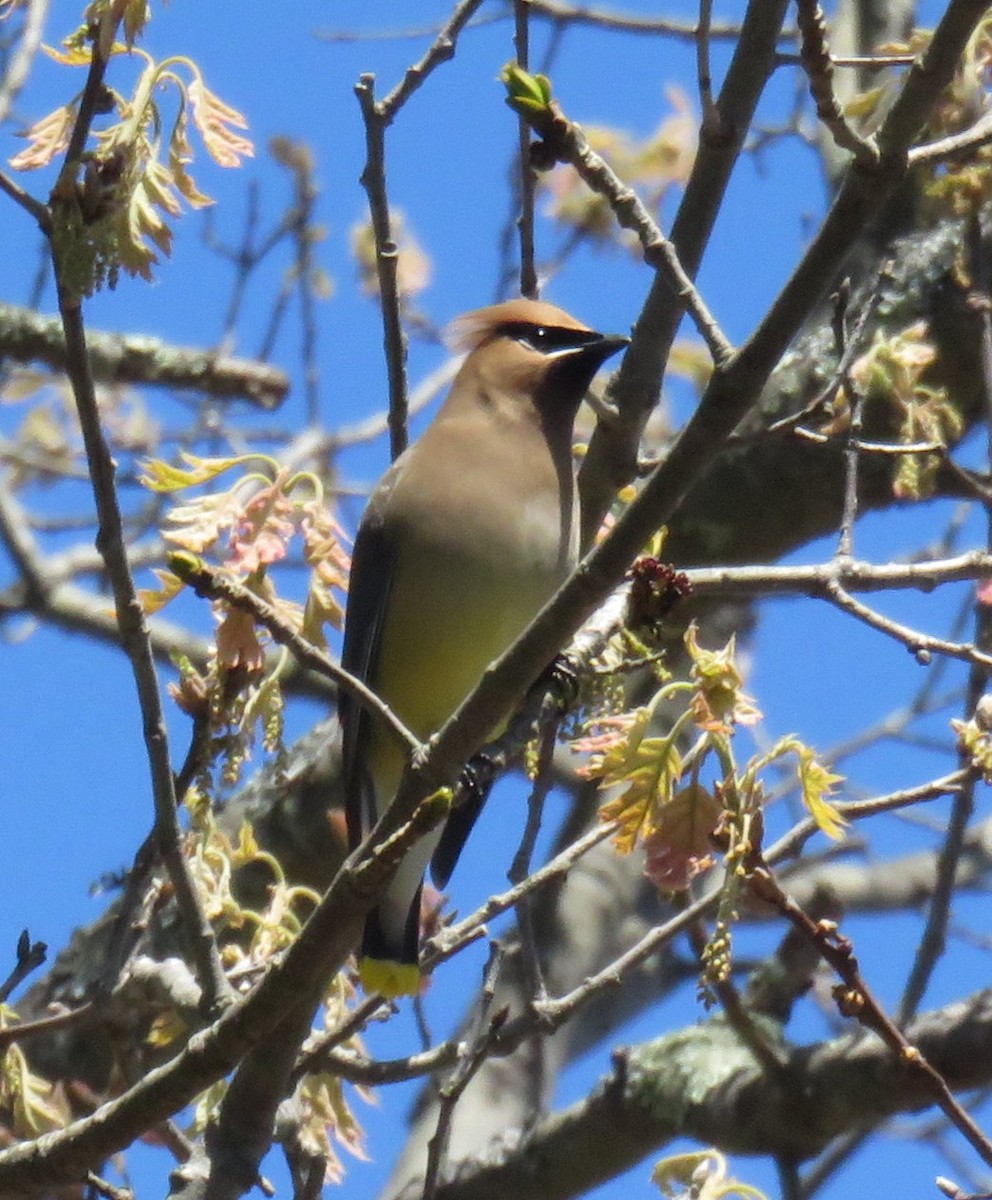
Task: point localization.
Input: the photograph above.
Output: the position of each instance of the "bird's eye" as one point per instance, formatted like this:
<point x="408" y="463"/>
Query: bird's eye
<point x="538" y="337"/>
<point x="548" y="339"/>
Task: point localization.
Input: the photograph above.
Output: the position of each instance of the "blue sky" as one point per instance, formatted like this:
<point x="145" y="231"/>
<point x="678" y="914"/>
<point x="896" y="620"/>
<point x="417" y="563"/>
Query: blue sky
<point x="75" y="789"/>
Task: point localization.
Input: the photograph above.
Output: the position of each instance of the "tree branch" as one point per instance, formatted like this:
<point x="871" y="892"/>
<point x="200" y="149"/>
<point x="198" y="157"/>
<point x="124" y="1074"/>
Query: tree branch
<point x="27" y="336"/>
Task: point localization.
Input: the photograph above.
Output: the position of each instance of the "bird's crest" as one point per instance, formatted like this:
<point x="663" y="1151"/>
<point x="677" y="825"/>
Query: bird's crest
<point x="470" y="331"/>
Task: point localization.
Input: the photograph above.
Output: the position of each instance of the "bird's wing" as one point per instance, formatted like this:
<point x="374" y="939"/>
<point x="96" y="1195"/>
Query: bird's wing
<point x="372" y="566"/>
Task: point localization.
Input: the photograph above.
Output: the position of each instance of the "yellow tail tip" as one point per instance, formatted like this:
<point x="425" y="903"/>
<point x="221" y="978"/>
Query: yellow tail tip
<point x="389" y="979"/>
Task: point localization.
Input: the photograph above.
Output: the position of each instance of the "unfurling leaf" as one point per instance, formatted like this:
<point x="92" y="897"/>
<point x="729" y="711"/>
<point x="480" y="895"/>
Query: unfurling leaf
<point x="116" y="212"/>
<point x="816" y="783"/>
<point x="525" y="92"/>
<point x="974" y="741"/>
<point x="720" y="701"/>
<point x="153" y="600"/>
<point x="679" y="848"/>
<point x="647" y="768"/>
<point x="216" y="122"/>
<point x="701" y="1175"/>
<point x="165" y="477"/>
<point x="47" y="138"/>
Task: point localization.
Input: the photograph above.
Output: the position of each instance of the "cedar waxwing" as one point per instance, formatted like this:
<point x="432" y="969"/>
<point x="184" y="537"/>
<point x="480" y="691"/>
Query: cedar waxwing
<point x="464" y="539"/>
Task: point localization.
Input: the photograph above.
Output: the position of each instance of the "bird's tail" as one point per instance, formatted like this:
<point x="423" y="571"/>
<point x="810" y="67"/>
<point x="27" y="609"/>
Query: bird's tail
<point x="389" y="962"/>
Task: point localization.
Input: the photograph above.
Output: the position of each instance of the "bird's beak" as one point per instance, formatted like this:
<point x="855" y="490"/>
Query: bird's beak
<point x="606" y="345"/>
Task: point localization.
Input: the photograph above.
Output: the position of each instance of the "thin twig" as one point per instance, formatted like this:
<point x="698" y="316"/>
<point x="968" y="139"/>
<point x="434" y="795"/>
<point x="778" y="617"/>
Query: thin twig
<point x="45" y="1026"/>
<point x="130" y="617"/>
<point x="473" y="1055"/>
<point x="818" y="65"/>
<point x="561" y="15"/>
<point x="376" y="1072"/>
<point x="136" y="643"/>
<point x="23" y="549"/>
<point x="215" y="585"/>
<point x="738" y="1015"/>
<point x="609" y="20"/>
<point x="30" y="956"/>
<point x="636" y="386"/>
<point x="854" y="999"/>
<point x="306" y="198"/>
<point x="854" y="576"/>
<point x="452" y="939"/>
<point x="526" y="182"/>
<point x="956" y="143"/>
<point x="831" y="1160"/>
<point x="108" y="1191"/>
<point x="920" y="645"/>
<point x="564" y="141"/>
<point x="30" y="205"/>
<point x="856" y="400"/>
<point x="440" y="51"/>
<point x="377" y="117"/>
<point x="856" y="62"/>
<point x="556" y="1012"/>
<point x="849" y="343"/>
<point x="932" y="943"/>
<point x="373" y="180"/>
<point x="704" y="77"/>
<point x="299" y="160"/>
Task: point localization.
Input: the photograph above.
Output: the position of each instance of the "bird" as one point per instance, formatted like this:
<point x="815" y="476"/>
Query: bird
<point x="467" y="535"/>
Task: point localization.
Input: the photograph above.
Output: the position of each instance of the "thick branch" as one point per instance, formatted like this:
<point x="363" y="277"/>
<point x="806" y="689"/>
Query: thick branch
<point x="27" y="336"/>
<point x="825" y="1090"/>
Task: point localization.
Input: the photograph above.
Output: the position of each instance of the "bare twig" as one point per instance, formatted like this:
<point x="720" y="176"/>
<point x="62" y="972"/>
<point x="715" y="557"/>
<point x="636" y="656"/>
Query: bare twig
<point x="108" y="1191"/>
<point x="704" y="33"/>
<point x="30" y="956"/>
<point x="45" y="1026"/>
<point x="854" y="999"/>
<point x="373" y="179"/>
<point x="920" y="645"/>
<point x="955" y="143"/>
<point x="372" y="1072"/>
<point x="853" y="576"/>
<point x="378" y="116"/>
<point x="306" y="198"/>
<point x="610" y="20"/>
<point x="738" y="1015"/>
<point x="137" y="644"/>
<point x="472" y="1055"/>
<point x="932" y="943"/>
<point x="634" y="391"/>
<point x="30" y="205"/>
<point x="816" y="61"/>
<point x="441" y="50"/>
<point x="520" y="867"/>
<point x="525" y="217"/>
<point x="450" y="941"/>
<point x="848" y="344"/>
<point x="856" y="400"/>
<point x="564" y="141"/>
